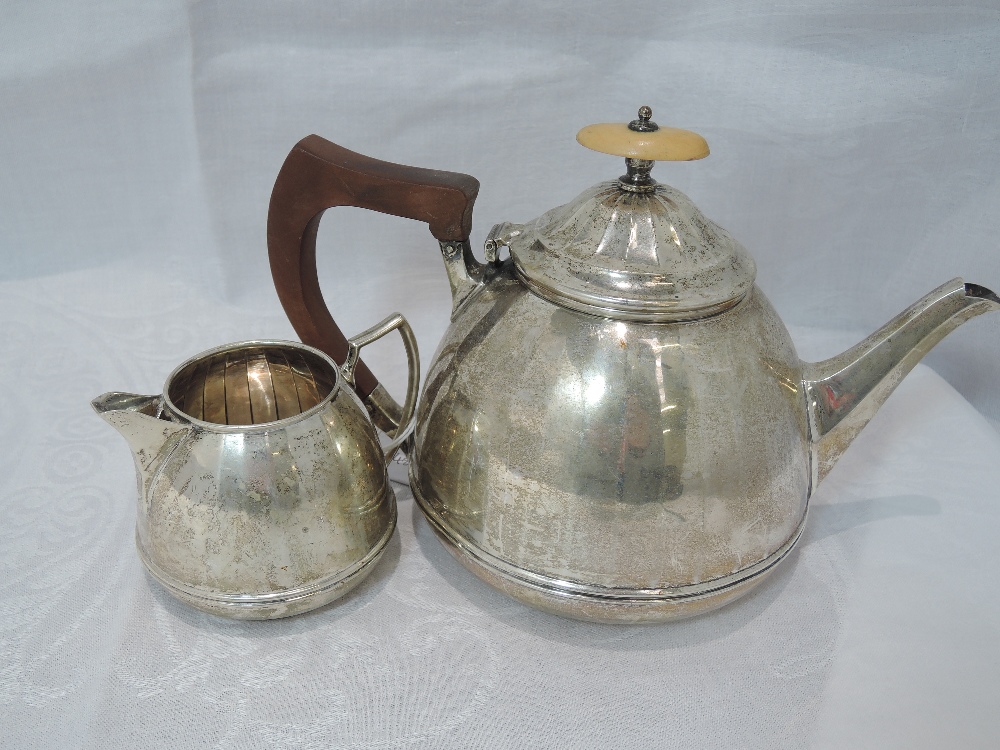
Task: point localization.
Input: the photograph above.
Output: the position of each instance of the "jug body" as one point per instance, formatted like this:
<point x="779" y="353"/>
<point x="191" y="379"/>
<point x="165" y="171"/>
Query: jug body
<point x="613" y="470"/>
<point x="269" y="496"/>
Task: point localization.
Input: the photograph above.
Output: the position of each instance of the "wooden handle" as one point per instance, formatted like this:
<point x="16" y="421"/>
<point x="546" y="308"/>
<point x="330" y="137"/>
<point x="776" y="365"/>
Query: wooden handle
<point x="318" y="175"/>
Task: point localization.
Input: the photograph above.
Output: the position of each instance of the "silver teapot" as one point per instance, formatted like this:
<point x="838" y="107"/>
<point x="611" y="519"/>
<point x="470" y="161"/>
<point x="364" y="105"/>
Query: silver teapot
<point x="616" y="426"/>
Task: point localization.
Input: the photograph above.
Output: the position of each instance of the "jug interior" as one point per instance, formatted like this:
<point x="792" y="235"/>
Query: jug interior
<point x="251" y="385"/>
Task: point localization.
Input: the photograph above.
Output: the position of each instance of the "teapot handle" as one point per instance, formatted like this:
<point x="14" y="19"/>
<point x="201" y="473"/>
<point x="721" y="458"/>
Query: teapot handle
<point x="318" y="175"/>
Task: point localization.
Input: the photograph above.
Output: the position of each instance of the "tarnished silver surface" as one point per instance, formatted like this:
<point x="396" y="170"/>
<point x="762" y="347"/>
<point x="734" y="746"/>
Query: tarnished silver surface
<point x="244" y="515"/>
<point x="845" y="391"/>
<point x="631" y="472"/>
<point x="464" y="274"/>
<point x="598" y="603"/>
<point x="637" y="177"/>
<point x="646" y="255"/>
<point x="607" y="459"/>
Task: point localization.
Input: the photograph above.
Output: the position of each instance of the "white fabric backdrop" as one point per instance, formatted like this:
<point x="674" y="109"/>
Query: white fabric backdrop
<point x="856" y="153"/>
<point x="855" y="144"/>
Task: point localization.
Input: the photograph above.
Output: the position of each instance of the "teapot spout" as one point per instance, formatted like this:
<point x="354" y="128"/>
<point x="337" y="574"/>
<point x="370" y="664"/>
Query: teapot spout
<point x="844" y="392"/>
<point x="138" y="419"/>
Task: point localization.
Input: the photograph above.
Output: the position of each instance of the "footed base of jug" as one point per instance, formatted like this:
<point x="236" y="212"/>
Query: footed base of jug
<point x="597" y="603"/>
<point x="273" y="605"/>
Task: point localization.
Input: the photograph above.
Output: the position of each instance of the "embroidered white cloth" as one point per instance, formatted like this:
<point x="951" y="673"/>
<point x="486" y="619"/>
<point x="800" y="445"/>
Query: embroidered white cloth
<point x="880" y="631"/>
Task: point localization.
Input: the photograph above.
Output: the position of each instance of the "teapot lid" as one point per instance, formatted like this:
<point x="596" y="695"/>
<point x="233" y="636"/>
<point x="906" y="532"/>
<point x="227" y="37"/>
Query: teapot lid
<point x="632" y="248"/>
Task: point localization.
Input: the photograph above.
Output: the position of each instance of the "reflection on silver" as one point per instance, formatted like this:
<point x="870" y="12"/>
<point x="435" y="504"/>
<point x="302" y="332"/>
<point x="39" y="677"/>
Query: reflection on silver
<point x="606" y="469"/>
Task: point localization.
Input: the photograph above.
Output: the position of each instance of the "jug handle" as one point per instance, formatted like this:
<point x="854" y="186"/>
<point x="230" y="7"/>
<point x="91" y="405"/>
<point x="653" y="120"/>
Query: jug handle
<point x="318" y="175"/>
<point x="394" y="322"/>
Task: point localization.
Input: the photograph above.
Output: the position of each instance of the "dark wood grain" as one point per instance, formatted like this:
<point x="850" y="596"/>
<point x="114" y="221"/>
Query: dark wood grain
<point x="318" y="175"/>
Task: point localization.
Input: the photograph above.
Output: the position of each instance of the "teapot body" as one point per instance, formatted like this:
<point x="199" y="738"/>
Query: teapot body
<point x="613" y="470"/>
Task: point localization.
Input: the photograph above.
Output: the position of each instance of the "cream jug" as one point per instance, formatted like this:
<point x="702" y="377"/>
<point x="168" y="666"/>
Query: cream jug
<point x="261" y="479"/>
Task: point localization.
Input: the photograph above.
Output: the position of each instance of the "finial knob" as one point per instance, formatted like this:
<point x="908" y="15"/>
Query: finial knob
<point x="644" y="139"/>
<point x="643" y="124"/>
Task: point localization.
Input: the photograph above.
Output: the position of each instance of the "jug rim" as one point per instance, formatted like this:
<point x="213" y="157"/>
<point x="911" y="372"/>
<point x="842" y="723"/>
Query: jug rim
<point x="180" y="414"/>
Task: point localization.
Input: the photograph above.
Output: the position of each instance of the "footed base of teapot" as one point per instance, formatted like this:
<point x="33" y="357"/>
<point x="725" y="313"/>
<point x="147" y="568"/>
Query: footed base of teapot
<point x="273" y="605"/>
<point x="598" y="603"/>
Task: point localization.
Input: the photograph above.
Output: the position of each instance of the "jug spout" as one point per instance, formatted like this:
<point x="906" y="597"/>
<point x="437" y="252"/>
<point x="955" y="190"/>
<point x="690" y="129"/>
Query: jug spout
<point x="138" y="420"/>
<point x="845" y="391"/>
